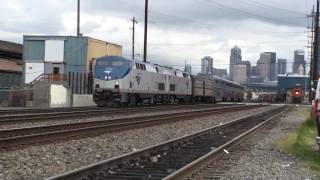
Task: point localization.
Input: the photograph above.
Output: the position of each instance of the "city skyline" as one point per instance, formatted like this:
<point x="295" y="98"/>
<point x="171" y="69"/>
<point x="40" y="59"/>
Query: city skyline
<point x="172" y="27"/>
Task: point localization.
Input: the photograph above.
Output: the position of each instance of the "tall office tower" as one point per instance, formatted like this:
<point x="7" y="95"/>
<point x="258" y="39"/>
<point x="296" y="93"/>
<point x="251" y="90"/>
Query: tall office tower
<point x="299" y="60"/>
<point x="234" y="58"/>
<point x="267" y="66"/>
<point x="282" y="66"/>
<point x="207" y="65"/>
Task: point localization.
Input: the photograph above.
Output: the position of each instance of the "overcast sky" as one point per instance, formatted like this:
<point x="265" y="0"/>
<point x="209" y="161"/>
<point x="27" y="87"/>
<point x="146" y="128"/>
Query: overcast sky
<point x="178" y="30"/>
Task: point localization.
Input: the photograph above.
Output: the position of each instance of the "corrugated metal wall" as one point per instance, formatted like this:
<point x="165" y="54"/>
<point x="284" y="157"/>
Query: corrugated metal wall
<point x="98" y="48"/>
<point x="288" y="82"/>
<point x="76" y="54"/>
<point x="33" y="50"/>
<point x="7" y="81"/>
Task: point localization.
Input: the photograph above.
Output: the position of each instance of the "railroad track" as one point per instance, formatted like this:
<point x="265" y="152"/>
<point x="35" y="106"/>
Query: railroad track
<point x="70" y="109"/>
<point x="43" y="110"/>
<point x="34" y="135"/>
<point x="178" y="158"/>
<point x="85" y="113"/>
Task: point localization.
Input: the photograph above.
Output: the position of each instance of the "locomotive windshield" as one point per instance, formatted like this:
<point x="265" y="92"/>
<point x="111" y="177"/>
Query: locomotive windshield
<point x="111" y="63"/>
<point x="111" y="68"/>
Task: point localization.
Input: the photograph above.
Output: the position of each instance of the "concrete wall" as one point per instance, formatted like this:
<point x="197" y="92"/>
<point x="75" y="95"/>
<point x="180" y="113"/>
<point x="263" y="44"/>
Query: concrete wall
<point x="46" y="95"/>
<point x="59" y="96"/>
<point x="41" y="95"/>
<point x="82" y="100"/>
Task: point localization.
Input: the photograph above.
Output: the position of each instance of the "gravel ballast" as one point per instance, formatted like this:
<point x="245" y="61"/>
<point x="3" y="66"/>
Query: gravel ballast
<point x="102" y="117"/>
<point x="266" y="161"/>
<point x="47" y="160"/>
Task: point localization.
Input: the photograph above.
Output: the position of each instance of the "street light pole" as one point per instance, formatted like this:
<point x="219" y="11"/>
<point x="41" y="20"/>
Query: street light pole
<point x="145" y="31"/>
<point x="78" y="19"/>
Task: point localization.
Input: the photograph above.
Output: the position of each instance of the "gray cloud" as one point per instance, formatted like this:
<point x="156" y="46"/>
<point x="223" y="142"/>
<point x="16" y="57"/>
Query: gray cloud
<point x="178" y="30"/>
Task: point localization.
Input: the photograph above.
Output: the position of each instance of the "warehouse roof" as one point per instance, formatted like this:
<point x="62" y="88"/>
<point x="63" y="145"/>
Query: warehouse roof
<point x="10" y="47"/>
<point x="42" y="37"/>
<point x="10" y="50"/>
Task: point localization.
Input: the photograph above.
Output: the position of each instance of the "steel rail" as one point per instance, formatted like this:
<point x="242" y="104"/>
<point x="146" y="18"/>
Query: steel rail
<point x="112" y="166"/>
<point x="39" y="110"/>
<point x="4" y="112"/>
<point x="30" y="118"/>
<point x="201" y="162"/>
<point x="46" y="133"/>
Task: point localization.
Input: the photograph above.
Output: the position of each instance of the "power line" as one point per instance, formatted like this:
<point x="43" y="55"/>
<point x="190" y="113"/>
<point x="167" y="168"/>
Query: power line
<point x="202" y="24"/>
<point x="274" y="7"/>
<point x="249" y="14"/>
<point x="211" y="43"/>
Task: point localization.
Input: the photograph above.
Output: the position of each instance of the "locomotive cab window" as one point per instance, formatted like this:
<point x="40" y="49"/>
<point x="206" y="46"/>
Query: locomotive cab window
<point x="185" y="75"/>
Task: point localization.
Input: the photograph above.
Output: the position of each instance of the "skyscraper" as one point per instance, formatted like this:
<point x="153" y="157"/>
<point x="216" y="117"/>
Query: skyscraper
<point x="234" y="58"/>
<point x="188" y="68"/>
<point x="223" y="73"/>
<point x="298" y="61"/>
<point x="282" y="66"/>
<point x="207" y="65"/>
<point x="267" y="66"/>
<point x="240" y="73"/>
<point x="248" y="67"/>
<point x="254" y="71"/>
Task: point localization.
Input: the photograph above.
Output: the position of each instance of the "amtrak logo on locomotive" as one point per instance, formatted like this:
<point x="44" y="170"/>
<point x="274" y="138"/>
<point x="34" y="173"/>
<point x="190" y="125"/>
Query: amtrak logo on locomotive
<point x="138" y="78"/>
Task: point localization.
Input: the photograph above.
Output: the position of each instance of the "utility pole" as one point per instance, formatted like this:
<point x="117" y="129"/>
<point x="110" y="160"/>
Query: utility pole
<point x="311" y="54"/>
<point x="78" y="19"/>
<point x="145" y="31"/>
<point x="316" y="49"/>
<point x="134" y="22"/>
<point x="316" y="63"/>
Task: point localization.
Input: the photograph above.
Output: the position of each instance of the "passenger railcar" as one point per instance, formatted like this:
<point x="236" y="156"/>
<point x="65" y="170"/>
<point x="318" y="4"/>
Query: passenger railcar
<point x="202" y="89"/>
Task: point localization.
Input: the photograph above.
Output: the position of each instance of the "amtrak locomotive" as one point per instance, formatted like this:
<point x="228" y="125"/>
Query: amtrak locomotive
<point x="121" y="81"/>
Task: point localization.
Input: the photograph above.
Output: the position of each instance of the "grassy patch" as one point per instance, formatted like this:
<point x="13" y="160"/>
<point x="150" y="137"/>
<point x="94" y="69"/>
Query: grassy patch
<point x="303" y="145"/>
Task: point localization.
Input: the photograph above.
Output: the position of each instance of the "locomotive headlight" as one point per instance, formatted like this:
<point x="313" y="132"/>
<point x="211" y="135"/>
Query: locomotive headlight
<point x="107" y="77"/>
<point x="117" y="82"/>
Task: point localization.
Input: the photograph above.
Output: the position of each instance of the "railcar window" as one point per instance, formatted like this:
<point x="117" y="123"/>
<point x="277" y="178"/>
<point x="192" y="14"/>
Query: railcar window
<point x="137" y="66"/>
<point x="161" y="87"/>
<point x="172" y="87"/>
<point x="157" y="69"/>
